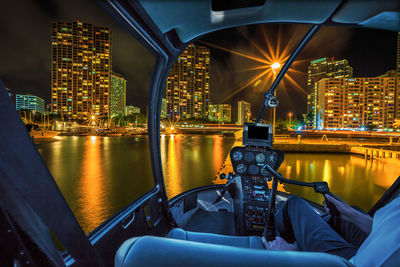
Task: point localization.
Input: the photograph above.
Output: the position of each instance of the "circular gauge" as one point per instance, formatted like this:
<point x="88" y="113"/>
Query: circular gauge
<point x="253" y="169"/>
<point x="260" y="157"/>
<point x="248" y="156"/>
<point x="237" y="155"/>
<point x="241" y="168"/>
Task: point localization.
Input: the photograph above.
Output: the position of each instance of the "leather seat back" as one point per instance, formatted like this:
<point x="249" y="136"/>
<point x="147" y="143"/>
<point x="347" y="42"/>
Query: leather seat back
<point x="158" y="251"/>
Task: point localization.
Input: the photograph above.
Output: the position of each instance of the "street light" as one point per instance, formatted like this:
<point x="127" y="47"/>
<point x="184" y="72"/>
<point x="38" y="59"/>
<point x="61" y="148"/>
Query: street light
<point x="290" y="119"/>
<point x="275" y="66"/>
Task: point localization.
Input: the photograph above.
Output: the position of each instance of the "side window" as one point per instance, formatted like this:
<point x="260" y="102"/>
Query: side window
<point x="80" y="83"/>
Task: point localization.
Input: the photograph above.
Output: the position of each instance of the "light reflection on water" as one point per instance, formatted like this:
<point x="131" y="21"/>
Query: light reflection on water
<point x="100" y="175"/>
<point x="358" y="181"/>
<point x="93" y="199"/>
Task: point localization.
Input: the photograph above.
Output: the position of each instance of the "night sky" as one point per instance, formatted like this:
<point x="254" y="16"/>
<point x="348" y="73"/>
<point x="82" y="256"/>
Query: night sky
<point x="25" y="52"/>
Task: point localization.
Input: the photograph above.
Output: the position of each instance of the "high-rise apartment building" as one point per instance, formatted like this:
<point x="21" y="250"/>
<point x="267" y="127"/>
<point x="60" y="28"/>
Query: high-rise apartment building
<point x="80" y="70"/>
<point x="357" y="102"/>
<point x="219" y="112"/>
<point x="163" y="108"/>
<point x="317" y="70"/>
<point x="29" y="102"/>
<point x="187" y="88"/>
<point x="244" y="112"/>
<point x="117" y="95"/>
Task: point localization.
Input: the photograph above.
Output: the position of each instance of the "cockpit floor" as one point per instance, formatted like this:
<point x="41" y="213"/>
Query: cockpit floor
<point x="215" y="222"/>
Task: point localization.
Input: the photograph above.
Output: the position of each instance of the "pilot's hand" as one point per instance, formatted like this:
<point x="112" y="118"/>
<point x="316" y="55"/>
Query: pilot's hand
<point x="345" y="210"/>
<point x="278" y="244"/>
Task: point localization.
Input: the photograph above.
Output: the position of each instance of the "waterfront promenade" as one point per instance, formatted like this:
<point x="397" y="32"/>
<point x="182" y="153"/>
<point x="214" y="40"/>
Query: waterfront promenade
<point x="333" y="145"/>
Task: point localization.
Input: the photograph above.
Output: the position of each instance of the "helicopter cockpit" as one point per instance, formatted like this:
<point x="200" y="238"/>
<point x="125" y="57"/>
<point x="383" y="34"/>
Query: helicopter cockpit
<point x="220" y="224"/>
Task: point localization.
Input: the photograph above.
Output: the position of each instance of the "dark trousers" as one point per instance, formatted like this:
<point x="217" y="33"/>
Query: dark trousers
<point x="297" y="221"/>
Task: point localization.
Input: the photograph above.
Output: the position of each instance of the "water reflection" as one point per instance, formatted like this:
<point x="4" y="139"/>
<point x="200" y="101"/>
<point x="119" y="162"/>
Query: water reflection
<point x="358" y="181"/>
<point x="218" y="154"/>
<point x="92" y="192"/>
<point x="100" y="175"/>
<point x="172" y="177"/>
<point x="191" y="161"/>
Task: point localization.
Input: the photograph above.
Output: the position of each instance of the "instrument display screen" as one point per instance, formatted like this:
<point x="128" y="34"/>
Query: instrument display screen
<point x="258" y="132"/>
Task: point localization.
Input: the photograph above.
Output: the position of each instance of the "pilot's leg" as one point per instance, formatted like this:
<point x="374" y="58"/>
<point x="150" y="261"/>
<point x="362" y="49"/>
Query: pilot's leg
<point x="349" y="231"/>
<point x="297" y="221"/>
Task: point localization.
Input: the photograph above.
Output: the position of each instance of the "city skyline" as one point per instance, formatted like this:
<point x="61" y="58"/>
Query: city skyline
<point x="369" y="57"/>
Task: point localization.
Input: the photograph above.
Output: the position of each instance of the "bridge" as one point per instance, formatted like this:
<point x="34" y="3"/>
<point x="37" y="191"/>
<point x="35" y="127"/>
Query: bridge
<point x="210" y="128"/>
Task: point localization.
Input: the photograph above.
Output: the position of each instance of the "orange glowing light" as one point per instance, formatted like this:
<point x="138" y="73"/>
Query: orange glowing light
<point x="275" y="66"/>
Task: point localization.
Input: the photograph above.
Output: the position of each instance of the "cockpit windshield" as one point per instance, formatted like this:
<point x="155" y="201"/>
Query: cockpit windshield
<point x="332" y="102"/>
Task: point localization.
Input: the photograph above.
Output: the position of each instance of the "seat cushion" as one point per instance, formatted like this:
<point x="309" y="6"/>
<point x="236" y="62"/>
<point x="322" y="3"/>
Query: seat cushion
<point x="159" y="251"/>
<point x="235" y="241"/>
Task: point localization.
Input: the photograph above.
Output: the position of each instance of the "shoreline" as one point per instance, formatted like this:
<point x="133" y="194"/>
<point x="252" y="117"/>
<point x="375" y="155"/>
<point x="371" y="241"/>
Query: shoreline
<point x="290" y="145"/>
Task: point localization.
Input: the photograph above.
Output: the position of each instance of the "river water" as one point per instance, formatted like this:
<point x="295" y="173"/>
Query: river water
<point x="100" y="175"/>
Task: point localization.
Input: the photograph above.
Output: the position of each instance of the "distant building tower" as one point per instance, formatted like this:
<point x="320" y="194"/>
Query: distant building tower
<point x="187" y="88"/>
<point x="80" y="70"/>
<point x="244" y="112"/>
<point x="130" y="110"/>
<point x="164" y="108"/>
<point x="317" y="70"/>
<point x="397" y="104"/>
<point x="117" y="95"/>
<point x="219" y="112"/>
<point x="398" y="53"/>
<point x="29" y="102"/>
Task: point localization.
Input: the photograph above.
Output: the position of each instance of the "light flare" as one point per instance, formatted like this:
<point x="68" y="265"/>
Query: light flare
<point x="272" y="56"/>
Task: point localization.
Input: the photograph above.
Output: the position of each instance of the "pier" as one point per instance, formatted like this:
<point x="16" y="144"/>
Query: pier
<point x="371" y="153"/>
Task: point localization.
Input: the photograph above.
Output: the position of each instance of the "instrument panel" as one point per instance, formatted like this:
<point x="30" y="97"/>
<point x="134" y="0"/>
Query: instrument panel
<point x="248" y="162"/>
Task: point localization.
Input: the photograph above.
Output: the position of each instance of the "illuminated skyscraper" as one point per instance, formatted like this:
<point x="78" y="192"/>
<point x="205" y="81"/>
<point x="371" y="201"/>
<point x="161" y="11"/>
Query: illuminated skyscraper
<point x="187" y="89"/>
<point x="357" y="102"/>
<point x="29" y="102"/>
<point x="163" y="108"/>
<point x="80" y="70"/>
<point x="219" y="112"/>
<point x="244" y="112"/>
<point x="317" y="70"/>
<point x="117" y="95"/>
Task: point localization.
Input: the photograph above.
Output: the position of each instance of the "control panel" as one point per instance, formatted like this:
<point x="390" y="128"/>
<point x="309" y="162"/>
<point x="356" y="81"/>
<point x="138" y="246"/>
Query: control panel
<point x="248" y="162"/>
